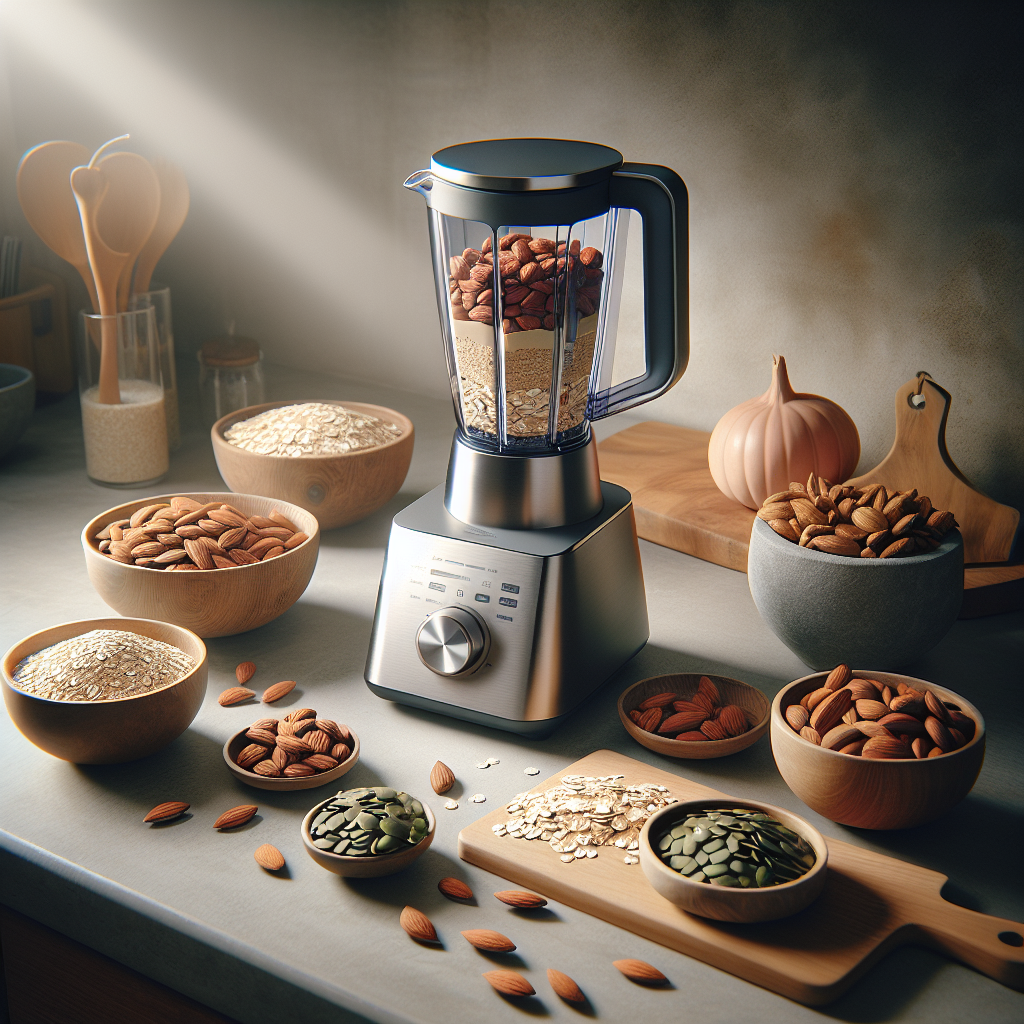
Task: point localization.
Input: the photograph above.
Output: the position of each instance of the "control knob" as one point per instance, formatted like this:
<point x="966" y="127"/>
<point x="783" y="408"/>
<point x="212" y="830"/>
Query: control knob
<point x="452" y="641"/>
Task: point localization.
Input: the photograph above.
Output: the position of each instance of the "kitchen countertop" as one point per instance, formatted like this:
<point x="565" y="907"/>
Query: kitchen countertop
<point x="189" y="907"/>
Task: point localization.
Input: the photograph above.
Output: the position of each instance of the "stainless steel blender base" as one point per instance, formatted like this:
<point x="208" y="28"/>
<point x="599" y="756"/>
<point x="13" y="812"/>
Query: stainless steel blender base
<point x="560" y="609"/>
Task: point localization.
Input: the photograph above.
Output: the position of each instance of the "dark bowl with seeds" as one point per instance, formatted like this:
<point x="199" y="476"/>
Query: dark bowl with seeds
<point x="740" y="861"/>
<point x="368" y="832"/>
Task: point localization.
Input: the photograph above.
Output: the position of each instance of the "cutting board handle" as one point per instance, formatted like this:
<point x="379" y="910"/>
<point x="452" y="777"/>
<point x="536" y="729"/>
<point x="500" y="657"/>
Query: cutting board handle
<point x="991" y="945"/>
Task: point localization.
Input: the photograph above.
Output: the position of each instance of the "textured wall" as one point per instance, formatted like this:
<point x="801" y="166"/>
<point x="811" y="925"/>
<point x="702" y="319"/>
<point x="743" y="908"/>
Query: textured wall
<point x="853" y="171"/>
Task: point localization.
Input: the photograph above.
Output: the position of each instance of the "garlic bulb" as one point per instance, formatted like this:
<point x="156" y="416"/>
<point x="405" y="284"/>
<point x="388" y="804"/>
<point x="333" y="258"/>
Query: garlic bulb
<point x="758" y="447"/>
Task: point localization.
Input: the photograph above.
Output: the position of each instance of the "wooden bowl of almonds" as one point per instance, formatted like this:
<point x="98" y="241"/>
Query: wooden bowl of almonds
<point x="339" y="460"/>
<point x="694" y="716"/>
<point x="894" y="783"/>
<point x="137" y="554"/>
<point x="105" y="691"/>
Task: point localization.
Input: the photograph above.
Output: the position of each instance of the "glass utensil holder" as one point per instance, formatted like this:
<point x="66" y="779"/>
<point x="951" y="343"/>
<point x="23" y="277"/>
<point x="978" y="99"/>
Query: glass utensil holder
<point x="159" y="297"/>
<point x="230" y="376"/>
<point x="126" y="442"/>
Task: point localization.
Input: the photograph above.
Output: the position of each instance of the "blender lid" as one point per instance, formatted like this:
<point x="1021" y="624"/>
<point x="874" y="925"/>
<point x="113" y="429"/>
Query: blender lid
<point x="525" y="165"/>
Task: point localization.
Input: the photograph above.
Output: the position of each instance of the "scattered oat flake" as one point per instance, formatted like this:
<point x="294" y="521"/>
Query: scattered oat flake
<point x="484" y="764"/>
<point x="478" y="798"/>
<point x="531" y="771"/>
<point x="451" y="805"/>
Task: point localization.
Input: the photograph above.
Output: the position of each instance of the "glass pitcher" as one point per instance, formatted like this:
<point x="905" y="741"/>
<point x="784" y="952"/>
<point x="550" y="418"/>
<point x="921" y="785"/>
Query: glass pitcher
<point x="528" y="238"/>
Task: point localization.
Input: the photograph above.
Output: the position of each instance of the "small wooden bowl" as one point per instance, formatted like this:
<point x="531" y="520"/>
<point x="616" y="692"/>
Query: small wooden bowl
<point x="107" y="731"/>
<point x="731" y="691"/>
<point x="218" y="602"/>
<point x="365" y="867"/>
<point x="234" y="746"/>
<point x="743" y="906"/>
<point x="337" y="489"/>
<point x="869" y="793"/>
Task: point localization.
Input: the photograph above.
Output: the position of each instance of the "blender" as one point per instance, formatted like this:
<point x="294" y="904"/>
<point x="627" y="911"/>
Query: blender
<point x="514" y="590"/>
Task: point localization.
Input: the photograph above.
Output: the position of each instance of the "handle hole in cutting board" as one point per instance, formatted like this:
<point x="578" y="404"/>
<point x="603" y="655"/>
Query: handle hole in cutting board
<point x="1012" y="938"/>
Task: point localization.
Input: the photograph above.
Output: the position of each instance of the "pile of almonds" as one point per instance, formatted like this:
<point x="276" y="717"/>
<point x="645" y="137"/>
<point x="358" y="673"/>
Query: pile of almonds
<point x="185" y="535"/>
<point x="866" y="718"/>
<point x="534" y="275"/>
<point x="298" y="745"/>
<point x="703" y="717"/>
<point x="859" y="522"/>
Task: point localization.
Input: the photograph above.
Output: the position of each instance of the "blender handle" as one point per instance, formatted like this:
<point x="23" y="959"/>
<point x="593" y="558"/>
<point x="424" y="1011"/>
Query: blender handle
<point x="659" y="195"/>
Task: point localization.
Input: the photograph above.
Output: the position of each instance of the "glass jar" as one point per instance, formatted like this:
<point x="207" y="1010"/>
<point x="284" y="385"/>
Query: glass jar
<point x="159" y="297"/>
<point x="230" y="376"/>
<point x="126" y="440"/>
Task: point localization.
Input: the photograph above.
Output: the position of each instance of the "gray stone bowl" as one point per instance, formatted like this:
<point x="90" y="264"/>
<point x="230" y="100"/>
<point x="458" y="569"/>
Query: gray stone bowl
<point x="829" y="609"/>
<point x="17" y="400"/>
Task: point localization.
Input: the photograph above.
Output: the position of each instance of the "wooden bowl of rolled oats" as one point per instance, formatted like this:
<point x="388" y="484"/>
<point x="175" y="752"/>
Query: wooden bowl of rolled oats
<point x="104" y="691"/>
<point x="339" y="460"/>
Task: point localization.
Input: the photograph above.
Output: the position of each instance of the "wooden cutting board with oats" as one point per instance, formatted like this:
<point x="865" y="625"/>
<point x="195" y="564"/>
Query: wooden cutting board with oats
<point x="871" y="903"/>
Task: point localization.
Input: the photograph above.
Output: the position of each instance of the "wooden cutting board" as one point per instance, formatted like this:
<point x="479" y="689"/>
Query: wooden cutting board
<point x="871" y="904"/>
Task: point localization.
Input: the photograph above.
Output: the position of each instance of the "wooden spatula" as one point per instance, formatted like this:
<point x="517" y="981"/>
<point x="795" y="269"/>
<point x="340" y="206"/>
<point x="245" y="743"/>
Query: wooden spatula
<point x="174" y="200"/>
<point x="919" y="458"/>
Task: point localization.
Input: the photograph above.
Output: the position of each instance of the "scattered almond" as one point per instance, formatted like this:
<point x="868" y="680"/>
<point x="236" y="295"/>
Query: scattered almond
<point x="167" y="812"/>
<point x="234" y="695"/>
<point x="564" y="987"/>
<point x="521" y="899"/>
<point x="269" y="857"/>
<point x="640" y="971"/>
<point x="489" y="941"/>
<point x="278" y="690"/>
<point x="455" y="889"/>
<point x="417" y="925"/>
<point x="236" y="816"/>
<point x="442" y="778"/>
<point x="509" y="983"/>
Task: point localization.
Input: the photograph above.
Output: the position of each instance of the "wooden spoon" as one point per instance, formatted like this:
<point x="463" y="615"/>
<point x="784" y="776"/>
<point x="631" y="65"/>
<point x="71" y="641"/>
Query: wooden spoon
<point x="174" y="200"/>
<point x="128" y="212"/>
<point x="44" y="191"/>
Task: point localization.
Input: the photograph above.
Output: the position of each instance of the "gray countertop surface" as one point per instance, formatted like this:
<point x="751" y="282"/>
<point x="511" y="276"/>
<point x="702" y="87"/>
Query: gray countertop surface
<point x="189" y="907"/>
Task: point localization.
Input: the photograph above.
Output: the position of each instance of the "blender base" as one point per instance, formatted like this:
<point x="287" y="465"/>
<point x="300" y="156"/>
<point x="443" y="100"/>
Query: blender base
<point x="558" y="610"/>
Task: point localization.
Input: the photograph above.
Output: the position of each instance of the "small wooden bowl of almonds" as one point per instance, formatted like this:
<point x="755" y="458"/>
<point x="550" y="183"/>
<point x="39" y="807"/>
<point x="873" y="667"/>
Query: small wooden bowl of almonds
<point x="188" y="559"/>
<point x="299" y="751"/>
<point x="862" y="757"/>
<point x="694" y="716"/>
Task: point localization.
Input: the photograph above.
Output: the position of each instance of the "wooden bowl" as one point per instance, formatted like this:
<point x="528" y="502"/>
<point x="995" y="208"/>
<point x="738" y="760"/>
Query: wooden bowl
<point x="869" y="793"/>
<point x="234" y="746"/>
<point x="365" y="867"/>
<point x="731" y="691"/>
<point x="218" y="602"/>
<point x="742" y="906"/>
<point x="107" y="731"/>
<point x="337" y="489"/>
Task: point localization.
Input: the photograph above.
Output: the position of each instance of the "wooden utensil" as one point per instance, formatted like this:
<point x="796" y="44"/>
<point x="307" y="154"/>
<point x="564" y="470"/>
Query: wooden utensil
<point x="871" y="904"/>
<point x="44" y="191"/>
<point x="174" y="202"/>
<point x="919" y="458"/>
<point x="128" y="212"/>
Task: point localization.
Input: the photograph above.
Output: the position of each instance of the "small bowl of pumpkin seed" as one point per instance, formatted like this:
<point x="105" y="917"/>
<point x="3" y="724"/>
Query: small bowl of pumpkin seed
<point x="741" y="861"/>
<point x="368" y="832"/>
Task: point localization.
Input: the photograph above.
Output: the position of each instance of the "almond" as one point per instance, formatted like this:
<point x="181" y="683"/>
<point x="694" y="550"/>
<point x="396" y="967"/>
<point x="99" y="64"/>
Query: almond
<point x="902" y="724"/>
<point x="708" y="688"/>
<point x="509" y="983"/>
<point x="417" y="925"/>
<point x="714" y="730"/>
<point x="232" y="538"/>
<point x="236" y="816"/>
<point x="298" y="771"/>
<point x="167" y="812"/>
<point x="269" y="857"/>
<point x="321" y="762"/>
<point x="234" y="695"/>
<point x="564" y="987"/>
<point x="318" y="741"/>
<point x="521" y="899"/>
<point x="639" y="971"/>
<point x="454" y="889"/>
<point x="937" y="708"/>
<point x="880" y="748"/>
<point x="659" y="700"/>
<point x="649" y="719"/>
<point x="293" y="745"/>
<point x="262" y="736"/>
<point x="341" y="752"/>
<point x="682" y="721"/>
<point x="282" y="758"/>
<point x="691" y="737"/>
<point x="267" y="769"/>
<point x="332" y="729"/>
<point x="828" y="714"/>
<point x="872" y="710"/>
<point x="841" y="736"/>
<point x="939" y="734"/>
<point x="688" y="705"/>
<point x="921" y="747"/>
<point x="270" y="724"/>
<point x="250" y="756"/>
<point x="299" y="714"/>
<point x="704" y="700"/>
<point x="815" y="697"/>
<point x="278" y="690"/>
<point x="734" y="720"/>
<point x="797" y="717"/>
<point x="838" y="677"/>
<point x="442" y="778"/>
<point x="489" y="941"/>
<point x="811" y="735"/>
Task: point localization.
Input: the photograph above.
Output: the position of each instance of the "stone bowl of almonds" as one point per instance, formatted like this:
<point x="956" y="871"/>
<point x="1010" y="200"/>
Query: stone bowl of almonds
<point x="876" y="749"/>
<point x="733" y="861"/>
<point x="368" y="832"/>
<point x="105" y="691"/>
<point x="300" y="751"/>
<point x="694" y="716"/>
<point x="214" y="563"/>
<point x="869" y="578"/>
<point x="340" y="461"/>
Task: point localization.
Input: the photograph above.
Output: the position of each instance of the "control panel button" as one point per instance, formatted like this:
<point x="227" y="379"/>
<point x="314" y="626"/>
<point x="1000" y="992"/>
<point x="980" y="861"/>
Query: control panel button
<point x="483" y="598"/>
<point x="437" y="586"/>
<point x="508" y="602"/>
<point x="505" y="618"/>
<point x="510" y="588"/>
